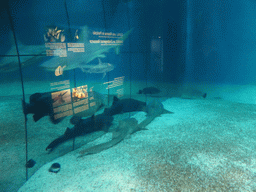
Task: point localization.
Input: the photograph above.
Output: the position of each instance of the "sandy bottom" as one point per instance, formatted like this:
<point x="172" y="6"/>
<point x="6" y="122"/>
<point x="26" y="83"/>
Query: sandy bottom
<point x="206" y="145"/>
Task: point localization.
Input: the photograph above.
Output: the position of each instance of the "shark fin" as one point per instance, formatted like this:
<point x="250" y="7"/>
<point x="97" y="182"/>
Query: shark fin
<point x="115" y="100"/>
<point x="84" y="34"/>
<point x="125" y="36"/>
<point x="37" y="116"/>
<point x="104" y="74"/>
<point x="115" y="134"/>
<point x="67" y="131"/>
<point x="101" y="56"/>
<point x="100" y="63"/>
<point x="117" y="50"/>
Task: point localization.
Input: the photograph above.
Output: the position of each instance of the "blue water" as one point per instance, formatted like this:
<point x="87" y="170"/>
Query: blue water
<point x="172" y="42"/>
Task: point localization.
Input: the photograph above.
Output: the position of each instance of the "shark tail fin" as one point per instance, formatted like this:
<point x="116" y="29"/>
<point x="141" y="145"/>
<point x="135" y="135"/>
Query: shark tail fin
<point x="100" y="63"/>
<point x="36" y="117"/>
<point x="125" y="36"/>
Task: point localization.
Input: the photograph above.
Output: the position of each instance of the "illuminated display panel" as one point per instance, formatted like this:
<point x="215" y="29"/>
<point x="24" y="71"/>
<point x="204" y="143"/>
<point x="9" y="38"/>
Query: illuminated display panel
<point x="107" y="38"/>
<point x="57" y="45"/>
<point x="84" y="100"/>
<point x="84" y="47"/>
<point x="118" y="82"/>
<point x="62" y="105"/>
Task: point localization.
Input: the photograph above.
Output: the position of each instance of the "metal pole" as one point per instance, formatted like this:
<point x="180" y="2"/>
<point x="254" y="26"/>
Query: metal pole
<point x="22" y="84"/>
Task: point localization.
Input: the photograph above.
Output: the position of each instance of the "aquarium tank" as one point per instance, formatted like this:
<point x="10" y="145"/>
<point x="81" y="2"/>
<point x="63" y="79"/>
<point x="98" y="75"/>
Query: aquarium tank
<point x="127" y="95"/>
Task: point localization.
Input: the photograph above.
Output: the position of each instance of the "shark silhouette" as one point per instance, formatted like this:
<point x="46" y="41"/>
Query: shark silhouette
<point x="81" y="59"/>
<point x="127" y="127"/>
<point x="10" y="63"/>
<point x="100" y="68"/>
<point x="120" y="106"/>
<point x="41" y="104"/>
<point x="84" y="126"/>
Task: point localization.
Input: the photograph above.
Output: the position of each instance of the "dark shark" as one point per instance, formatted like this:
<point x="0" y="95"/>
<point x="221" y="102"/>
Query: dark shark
<point x="120" y="106"/>
<point x="41" y="105"/>
<point x="149" y="90"/>
<point x="127" y="127"/>
<point x="83" y="127"/>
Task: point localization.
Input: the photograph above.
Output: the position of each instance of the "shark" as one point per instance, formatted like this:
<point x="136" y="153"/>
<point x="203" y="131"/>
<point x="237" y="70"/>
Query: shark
<point x="42" y="104"/>
<point x="100" y="68"/>
<point x="127" y="127"/>
<point x="9" y="63"/>
<point x="82" y="59"/>
<point x="120" y="106"/>
<point x="103" y="121"/>
<point x="83" y="127"/>
<point x="149" y="90"/>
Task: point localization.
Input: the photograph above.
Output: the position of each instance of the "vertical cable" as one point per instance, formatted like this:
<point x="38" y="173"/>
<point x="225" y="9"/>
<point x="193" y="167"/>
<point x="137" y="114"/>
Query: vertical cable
<point x="130" y="60"/>
<point x="188" y="39"/>
<point x="22" y="84"/>
<point x="147" y="54"/>
<point x="70" y="37"/>
<point x="105" y="26"/>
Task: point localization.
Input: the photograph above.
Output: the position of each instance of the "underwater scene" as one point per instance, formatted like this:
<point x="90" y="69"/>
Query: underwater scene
<point x="127" y="95"/>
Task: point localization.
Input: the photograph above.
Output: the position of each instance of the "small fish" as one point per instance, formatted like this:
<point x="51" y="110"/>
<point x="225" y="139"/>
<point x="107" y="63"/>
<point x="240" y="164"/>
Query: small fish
<point x="31" y="163"/>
